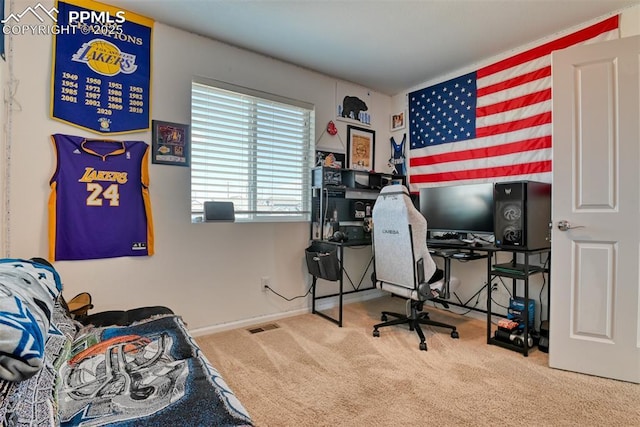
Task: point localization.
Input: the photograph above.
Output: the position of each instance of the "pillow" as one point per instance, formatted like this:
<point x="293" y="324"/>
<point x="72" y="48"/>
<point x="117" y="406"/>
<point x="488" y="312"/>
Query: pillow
<point x="28" y="291"/>
<point x="34" y="401"/>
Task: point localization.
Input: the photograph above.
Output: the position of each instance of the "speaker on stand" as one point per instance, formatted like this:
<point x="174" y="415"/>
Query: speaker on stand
<point x="522" y="215"/>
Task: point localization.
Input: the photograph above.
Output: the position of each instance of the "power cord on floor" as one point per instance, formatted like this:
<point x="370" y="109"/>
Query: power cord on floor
<point x="465" y="305"/>
<point x="292" y="298"/>
<point x="544" y="283"/>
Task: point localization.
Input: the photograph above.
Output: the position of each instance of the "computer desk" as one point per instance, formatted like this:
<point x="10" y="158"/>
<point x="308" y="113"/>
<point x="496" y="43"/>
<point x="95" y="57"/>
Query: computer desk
<point x="340" y="246"/>
<point x="448" y="252"/>
<point x="443" y="250"/>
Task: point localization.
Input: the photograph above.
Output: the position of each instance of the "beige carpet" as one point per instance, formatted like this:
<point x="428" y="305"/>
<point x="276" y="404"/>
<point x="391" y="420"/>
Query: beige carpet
<point x="309" y="372"/>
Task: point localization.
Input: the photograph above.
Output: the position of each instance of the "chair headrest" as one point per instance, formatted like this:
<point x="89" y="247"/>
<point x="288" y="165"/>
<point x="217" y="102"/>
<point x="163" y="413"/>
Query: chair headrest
<point x="394" y="189"/>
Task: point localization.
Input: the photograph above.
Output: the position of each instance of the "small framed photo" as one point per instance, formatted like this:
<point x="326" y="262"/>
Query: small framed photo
<point x="360" y="148"/>
<point x="329" y="159"/>
<point x="170" y="143"/>
<point x="397" y="121"/>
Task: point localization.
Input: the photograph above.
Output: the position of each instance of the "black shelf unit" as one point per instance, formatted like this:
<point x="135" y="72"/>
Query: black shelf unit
<point x="518" y="272"/>
<point x="342" y="200"/>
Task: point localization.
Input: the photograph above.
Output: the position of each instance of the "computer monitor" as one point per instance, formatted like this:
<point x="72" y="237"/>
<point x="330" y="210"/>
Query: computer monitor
<point x="415" y="199"/>
<point x="465" y="208"/>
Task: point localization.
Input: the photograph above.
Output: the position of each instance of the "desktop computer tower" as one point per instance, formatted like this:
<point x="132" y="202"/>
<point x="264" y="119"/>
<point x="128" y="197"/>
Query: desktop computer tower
<point x="522" y="215"/>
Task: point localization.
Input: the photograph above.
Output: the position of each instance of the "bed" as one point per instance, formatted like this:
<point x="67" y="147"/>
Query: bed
<point x="55" y="371"/>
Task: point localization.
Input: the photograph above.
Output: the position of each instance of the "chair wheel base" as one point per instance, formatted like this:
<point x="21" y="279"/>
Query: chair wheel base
<point x="413" y="321"/>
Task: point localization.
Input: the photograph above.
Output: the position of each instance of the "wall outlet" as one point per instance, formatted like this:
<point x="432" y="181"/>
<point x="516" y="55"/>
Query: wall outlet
<point x="265" y="282"/>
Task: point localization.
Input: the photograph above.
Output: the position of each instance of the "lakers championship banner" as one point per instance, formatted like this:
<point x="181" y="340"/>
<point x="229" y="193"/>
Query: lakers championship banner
<point x="101" y="76"/>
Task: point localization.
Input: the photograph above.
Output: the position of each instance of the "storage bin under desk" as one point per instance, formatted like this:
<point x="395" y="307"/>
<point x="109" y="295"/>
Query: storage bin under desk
<point x="322" y="261"/>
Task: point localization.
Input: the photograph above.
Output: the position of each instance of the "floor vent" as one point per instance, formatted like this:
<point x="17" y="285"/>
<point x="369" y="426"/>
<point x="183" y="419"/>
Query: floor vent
<point x="263" y="328"/>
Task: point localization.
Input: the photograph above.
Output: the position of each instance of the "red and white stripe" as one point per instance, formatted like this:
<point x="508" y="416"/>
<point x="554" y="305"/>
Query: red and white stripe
<point x="513" y="121"/>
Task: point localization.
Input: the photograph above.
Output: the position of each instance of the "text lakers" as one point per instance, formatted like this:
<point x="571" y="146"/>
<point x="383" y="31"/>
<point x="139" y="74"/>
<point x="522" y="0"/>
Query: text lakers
<point x="91" y="175"/>
<point x="105" y="58"/>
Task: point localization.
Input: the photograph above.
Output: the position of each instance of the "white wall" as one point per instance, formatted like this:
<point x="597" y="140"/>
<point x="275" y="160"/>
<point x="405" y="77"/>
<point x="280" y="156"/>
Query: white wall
<point x="208" y="273"/>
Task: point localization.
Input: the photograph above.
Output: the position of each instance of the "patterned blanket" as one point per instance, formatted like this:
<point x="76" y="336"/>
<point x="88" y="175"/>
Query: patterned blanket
<point x="150" y="373"/>
<point x="55" y="372"/>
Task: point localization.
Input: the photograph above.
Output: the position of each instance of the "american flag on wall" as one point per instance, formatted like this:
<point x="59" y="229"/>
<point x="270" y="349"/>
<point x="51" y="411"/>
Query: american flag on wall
<point x="493" y="124"/>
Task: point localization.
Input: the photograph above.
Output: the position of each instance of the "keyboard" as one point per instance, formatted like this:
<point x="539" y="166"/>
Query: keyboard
<point x="447" y="242"/>
<point x="443" y="252"/>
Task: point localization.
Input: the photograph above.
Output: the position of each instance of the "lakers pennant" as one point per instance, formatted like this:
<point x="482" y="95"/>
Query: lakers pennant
<point x="99" y="205"/>
<point x="101" y="78"/>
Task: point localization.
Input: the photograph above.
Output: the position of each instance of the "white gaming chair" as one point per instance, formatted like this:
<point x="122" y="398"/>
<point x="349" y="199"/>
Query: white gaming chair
<point x="402" y="263"/>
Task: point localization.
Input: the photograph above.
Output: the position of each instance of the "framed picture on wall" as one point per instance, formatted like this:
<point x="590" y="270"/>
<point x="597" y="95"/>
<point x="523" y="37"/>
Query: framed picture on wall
<point x="330" y="159"/>
<point x="397" y="121"/>
<point x="170" y="143"/>
<point x="360" y="148"/>
<point x="352" y="104"/>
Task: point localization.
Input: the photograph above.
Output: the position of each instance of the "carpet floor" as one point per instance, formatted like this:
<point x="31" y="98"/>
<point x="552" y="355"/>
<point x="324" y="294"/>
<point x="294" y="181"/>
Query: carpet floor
<point x="309" y="372"/>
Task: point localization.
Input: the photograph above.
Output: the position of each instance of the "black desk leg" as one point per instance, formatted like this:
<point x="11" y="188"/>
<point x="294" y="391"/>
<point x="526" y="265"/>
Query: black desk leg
<point x="341" y="250"/>
<point x="525" y="344"/>
<point x="447" y="277"/>
<point x="489" y="298"/>
<point x="313" y="295"/>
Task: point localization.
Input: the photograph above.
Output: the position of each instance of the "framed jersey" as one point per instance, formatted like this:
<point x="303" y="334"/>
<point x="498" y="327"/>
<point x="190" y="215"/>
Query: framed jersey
<point x="99" y="205"/>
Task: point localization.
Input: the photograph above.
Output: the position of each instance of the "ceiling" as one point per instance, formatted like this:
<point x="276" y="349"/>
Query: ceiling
<point x="386" y="45"/>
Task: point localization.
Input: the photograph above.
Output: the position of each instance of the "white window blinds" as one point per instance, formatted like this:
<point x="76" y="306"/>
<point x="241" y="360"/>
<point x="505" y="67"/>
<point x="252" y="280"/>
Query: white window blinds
<point x="253" y="149"/>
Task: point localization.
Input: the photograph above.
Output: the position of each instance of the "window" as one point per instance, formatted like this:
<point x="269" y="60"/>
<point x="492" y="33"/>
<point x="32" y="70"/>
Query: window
<point x="253" y="149"/>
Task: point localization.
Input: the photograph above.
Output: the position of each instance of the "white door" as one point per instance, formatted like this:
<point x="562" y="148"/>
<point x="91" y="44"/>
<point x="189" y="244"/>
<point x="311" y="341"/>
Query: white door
<point x="594" y="322"/>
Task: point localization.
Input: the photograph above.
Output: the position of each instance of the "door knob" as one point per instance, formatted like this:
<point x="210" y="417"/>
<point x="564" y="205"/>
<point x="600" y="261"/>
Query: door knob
<point x="564" y="225"/>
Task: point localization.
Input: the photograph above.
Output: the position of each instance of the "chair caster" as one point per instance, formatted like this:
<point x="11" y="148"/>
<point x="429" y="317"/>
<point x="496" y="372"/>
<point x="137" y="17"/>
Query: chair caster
<point x="376" y="333"/>
<point x="423" y="346"/>
<point x="383" y="318"/>
<point x="454" y="334"/>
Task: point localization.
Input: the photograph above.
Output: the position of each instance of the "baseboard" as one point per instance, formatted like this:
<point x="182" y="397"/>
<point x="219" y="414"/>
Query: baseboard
<point x="320" y="305"/>
<point x="208" y="330"/>
<point x="329" y="303"/>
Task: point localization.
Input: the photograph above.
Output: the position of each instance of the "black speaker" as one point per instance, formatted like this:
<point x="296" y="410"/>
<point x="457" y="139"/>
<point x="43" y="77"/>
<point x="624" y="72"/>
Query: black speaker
<point x="522" y="215"/>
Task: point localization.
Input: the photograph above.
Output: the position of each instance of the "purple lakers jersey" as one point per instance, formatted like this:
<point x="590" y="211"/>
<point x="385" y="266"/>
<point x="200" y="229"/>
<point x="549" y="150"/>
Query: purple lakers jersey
<point x="99" y="205"/>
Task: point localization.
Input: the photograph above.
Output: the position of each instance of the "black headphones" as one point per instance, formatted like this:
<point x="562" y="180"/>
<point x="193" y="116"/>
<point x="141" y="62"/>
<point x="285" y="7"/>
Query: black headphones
<point x="338" y="236"/>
